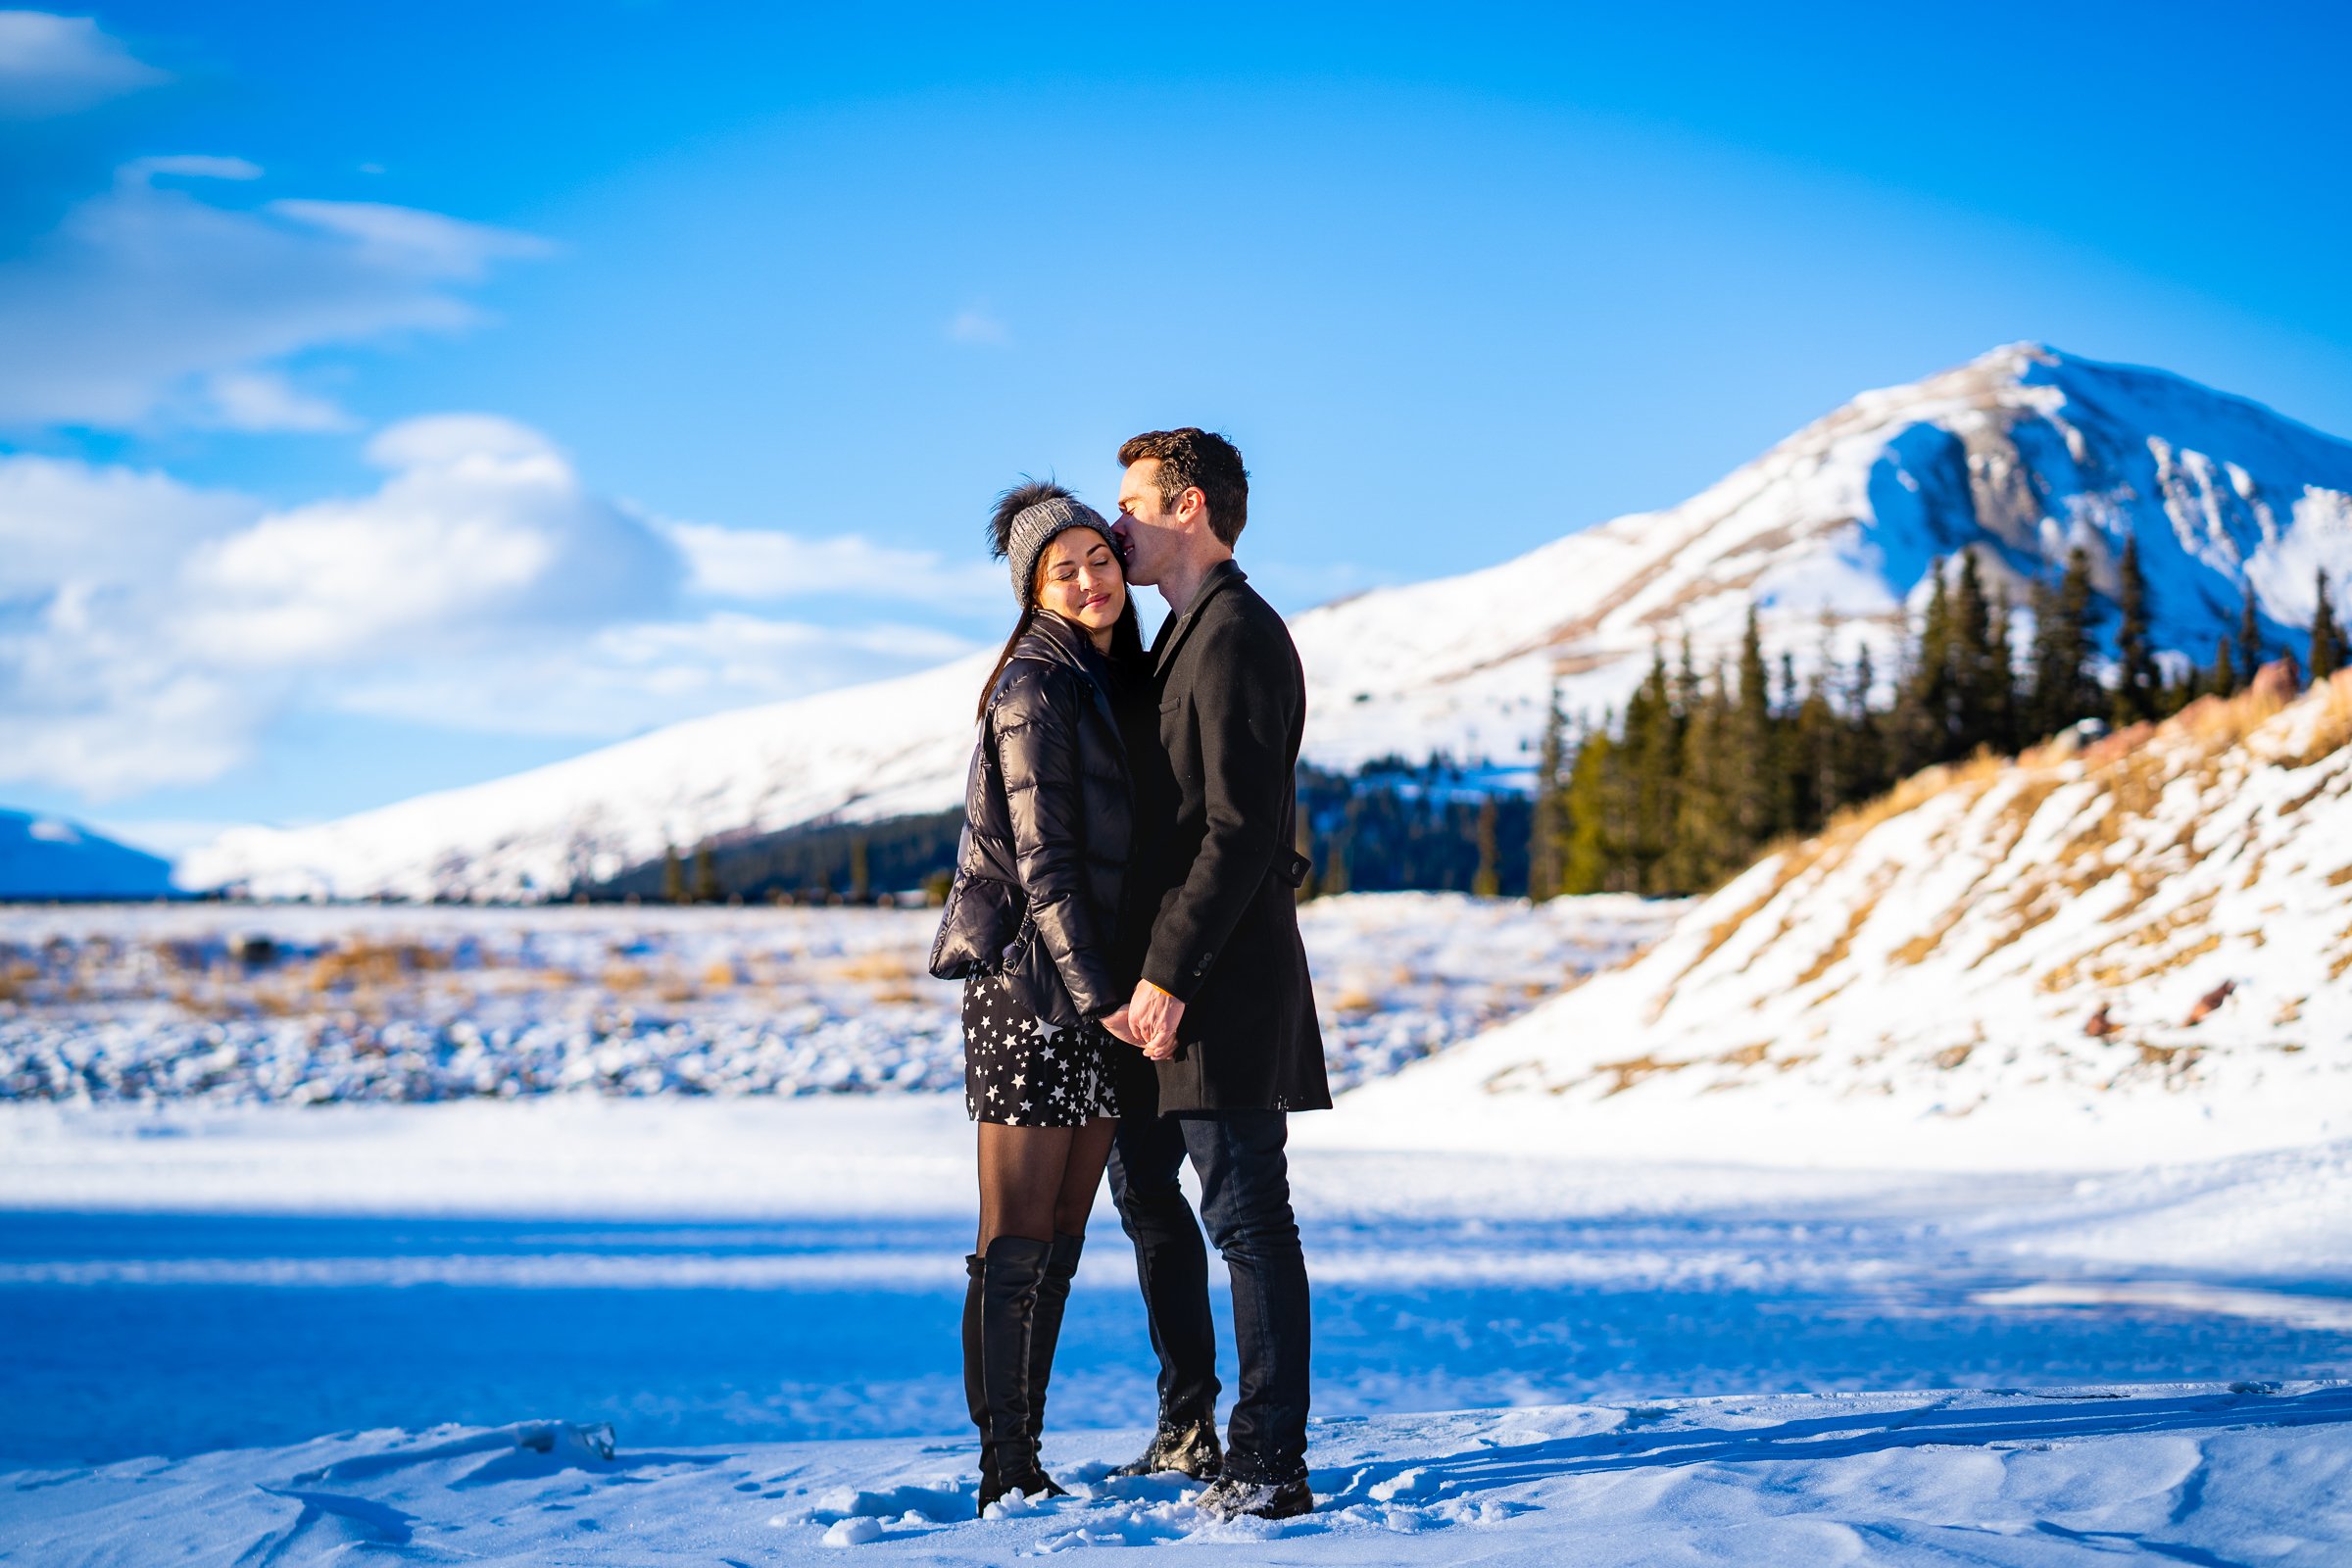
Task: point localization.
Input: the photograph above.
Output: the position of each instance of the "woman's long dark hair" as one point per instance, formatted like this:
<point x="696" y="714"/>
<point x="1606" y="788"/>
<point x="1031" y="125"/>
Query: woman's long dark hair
<point x="1126" y="638"/>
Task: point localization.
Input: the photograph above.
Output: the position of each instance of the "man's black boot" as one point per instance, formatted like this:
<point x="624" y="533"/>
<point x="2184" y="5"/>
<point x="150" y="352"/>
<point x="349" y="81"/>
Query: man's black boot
<point x="1188" y="1446"/>
<point x="1010" y="1272"/>
<point x="1233" y="1496"/>
<point x="1052" y="1297"/>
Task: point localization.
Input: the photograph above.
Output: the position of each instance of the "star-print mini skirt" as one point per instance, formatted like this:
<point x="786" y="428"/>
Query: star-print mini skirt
<point x="1024" y="1072"/>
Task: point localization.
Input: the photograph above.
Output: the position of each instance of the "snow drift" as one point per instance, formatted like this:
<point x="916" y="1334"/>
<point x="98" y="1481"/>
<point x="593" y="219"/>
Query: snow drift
<point x="2018" y="455"/>
<point x="2083" y="957"/>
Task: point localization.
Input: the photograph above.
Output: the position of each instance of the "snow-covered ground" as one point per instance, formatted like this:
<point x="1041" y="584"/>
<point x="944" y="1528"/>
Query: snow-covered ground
<point x="1654" y="1361"/>
<point x="229" y="1003"/>
<point x="2169" y="1473"/>
<point x="1682" y="1339"/>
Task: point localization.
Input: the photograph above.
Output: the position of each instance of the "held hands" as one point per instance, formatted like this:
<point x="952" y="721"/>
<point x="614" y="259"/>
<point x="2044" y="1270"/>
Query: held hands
<point x="1148" y="1021"/>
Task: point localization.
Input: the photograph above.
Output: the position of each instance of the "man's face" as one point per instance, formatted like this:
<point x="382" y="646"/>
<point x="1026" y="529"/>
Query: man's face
<point x="1148" y="526"/>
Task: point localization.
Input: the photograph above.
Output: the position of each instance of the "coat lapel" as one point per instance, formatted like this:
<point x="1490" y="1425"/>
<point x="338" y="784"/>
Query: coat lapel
<point x="1172" y="634"/>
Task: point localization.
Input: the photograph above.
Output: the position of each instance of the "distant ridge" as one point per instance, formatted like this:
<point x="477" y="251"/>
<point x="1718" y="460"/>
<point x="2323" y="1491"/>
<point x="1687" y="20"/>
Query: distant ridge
<point x="50" y="857"/>
<point x="2016" y="456"/>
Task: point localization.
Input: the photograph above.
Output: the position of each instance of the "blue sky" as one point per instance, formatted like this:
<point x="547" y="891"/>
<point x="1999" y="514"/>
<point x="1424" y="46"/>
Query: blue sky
<point x="748" y="310"/>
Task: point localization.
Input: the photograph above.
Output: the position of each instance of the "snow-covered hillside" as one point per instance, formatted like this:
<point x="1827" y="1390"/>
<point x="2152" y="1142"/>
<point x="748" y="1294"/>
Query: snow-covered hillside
<point x="2021" y="455"/>
<point x="50" y="857"/>
<point x="2133" y="951"/>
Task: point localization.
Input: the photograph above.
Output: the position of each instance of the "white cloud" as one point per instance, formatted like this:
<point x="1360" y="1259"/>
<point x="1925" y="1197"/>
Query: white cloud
<point x="978" y="325"/>
<point x="149" y="302"/>
<point x="265" y="400"/>
<point x="150" y="631"/>
<point x="482" y="531"/>
<point x="763" y="564"/>
<point x="51" y="65"/>
<point x="634" y="676"/>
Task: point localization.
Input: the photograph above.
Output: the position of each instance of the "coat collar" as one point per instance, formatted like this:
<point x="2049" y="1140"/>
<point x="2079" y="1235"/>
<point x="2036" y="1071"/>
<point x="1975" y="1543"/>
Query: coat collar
<point x="1056" y="641"/>
<point x="1172" y="631"/>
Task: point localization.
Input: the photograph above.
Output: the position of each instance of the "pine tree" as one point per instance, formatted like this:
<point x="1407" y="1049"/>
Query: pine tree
<point x="1815" y="755"/>
<point x="1487" y="881"/>
<point x="673" y="876"/>
<point x="1548" y="830"/>
<point x="1974" y="700"/>
<point x="2063" y="688"/>
<point x="2138" y="679"/>
<point x="1868" y="768"/>
<point x="706" y="875"/>
<point x="2000" y="679"/>
<point x="1706" y="828"/>
<point x="1921" y="718"/>
<point x="1795" y="752"/>
<point x="2328" y="649"/>
<point x="1750" y="762"/>
<point x="1585" y="864"/>
<point x="862" y="880"/>
<point x="2222" y="679"/>
<point x="1648" y="778"/>
<point x="2249" y="638"/>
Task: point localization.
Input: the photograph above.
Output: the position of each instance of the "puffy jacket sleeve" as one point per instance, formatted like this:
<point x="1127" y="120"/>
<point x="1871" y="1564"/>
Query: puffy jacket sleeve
<point x="1036" y="724"/>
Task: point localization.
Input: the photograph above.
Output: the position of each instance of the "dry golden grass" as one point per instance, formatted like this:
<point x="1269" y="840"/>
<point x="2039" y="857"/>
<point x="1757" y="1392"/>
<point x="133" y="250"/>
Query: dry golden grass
<point x="1623" y="1075"/>
<point x="374" y="963"/>
<point x="1354" y="1000"/>
<point x="883" y="965"/>
<point x="1952" y="1057"/>
<point x="1746" y="1055"/>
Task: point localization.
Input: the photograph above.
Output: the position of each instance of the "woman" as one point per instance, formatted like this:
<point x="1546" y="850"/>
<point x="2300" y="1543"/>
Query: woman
<point x="1029" y="929"/>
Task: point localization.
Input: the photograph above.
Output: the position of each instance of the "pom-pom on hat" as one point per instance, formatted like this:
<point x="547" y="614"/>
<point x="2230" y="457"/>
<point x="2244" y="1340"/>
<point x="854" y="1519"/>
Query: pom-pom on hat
<point x="1027" y="518"/>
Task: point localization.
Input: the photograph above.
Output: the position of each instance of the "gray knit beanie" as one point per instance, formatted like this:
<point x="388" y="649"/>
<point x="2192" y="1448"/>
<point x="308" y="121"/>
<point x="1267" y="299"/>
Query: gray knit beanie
<point x="1022" y="535"/>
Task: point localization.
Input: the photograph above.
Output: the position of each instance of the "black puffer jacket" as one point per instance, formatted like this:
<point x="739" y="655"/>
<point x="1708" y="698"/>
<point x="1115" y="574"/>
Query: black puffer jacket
<point x="1048" y="831"/>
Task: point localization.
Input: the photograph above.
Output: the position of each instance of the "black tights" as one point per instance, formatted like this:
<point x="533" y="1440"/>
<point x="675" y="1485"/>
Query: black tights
<point x="1037" y="1181"/>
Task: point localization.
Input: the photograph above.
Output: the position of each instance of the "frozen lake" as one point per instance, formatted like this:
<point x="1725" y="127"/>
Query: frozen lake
<point x="708" y="1272"/>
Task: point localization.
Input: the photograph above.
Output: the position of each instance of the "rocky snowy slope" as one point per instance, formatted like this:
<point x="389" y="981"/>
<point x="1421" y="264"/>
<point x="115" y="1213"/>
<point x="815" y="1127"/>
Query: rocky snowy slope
<point x="2133" y="951"/>
<point x="2018" y="455"/>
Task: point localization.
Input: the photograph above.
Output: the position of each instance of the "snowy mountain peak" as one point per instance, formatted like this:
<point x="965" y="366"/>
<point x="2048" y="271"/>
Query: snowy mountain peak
<point x="2018" y="455"/>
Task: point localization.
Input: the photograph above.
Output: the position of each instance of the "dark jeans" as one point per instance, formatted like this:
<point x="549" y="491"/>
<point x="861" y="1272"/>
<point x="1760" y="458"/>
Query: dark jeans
<point x="1245" y="1201"/>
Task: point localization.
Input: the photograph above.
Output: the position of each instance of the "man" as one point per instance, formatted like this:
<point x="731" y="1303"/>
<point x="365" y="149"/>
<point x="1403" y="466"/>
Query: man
<point x="1225" y="1010"/>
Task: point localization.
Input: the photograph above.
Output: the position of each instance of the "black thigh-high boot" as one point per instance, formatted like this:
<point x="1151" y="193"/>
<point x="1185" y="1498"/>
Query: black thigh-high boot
<point x="1053" y="1297"/>
<point x="974" y="1401"/>
<point x="1010" y="1272"/>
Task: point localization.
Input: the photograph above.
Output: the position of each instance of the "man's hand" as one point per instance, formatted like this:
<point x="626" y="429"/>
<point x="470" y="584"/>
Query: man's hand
<point x="1152" y="1015"/>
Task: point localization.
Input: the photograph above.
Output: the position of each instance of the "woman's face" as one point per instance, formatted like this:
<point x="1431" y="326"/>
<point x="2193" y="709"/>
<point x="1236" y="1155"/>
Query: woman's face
<point x="1079" y="579"/>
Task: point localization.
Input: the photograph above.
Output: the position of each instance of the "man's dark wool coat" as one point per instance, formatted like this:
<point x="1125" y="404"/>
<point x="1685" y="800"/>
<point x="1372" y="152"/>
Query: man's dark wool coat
<point x="1213" y="878"/>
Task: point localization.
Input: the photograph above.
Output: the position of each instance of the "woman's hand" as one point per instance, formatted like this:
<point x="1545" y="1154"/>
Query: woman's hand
<point x="1124" y="1024"/>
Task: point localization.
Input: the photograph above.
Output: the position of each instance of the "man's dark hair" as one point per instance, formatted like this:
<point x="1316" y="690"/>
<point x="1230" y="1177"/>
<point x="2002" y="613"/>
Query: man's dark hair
<point x="1193" y="457"/>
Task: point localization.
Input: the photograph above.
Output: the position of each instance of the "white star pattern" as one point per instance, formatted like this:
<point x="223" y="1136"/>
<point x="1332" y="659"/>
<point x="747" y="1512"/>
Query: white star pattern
<point x="1024" y="1072"/>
